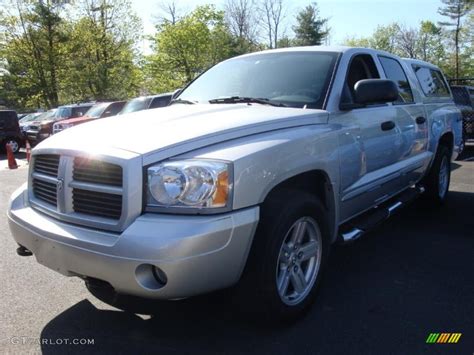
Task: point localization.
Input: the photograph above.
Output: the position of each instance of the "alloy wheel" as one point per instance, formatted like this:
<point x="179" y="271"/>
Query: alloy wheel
<point x="299" y="261"/>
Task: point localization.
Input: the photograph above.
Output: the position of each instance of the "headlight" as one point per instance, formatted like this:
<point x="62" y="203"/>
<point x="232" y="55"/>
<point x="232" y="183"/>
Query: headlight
<point x="189" y="184"/>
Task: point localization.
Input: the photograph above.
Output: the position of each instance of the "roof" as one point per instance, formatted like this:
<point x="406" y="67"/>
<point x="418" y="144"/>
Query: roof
<point x="79" y="105"/>
<point x="333" y="49"/>
<point x="419" y="62"/>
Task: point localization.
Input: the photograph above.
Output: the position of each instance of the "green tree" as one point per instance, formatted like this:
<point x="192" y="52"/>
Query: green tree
<point x="102" y="61"/>
<point x="187" y="48"/>
<point x="455" y="10"/>
<point x="430" y="43"/>
<point x="384" y="38"/>
<point x="310" y="29"/>
<point x="241" y="19"/>
<point x="34" y="39"/>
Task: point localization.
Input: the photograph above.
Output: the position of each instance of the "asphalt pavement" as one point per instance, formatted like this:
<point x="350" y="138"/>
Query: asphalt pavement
<point x="383" y="294"/>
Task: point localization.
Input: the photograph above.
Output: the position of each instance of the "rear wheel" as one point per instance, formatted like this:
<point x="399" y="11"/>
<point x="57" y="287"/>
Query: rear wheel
<point x="439" y="177"/>
<point x="288" y="255"/>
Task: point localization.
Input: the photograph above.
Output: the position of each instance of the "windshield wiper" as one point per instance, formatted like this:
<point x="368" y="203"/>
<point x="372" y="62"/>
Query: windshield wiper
<point x="240" y="99"/>
<point x="182" y="101"/>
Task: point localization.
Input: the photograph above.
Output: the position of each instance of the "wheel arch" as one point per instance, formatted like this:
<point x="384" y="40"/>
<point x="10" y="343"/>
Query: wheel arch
<point x="318" y="183"/>
<point x="447" y="140"/>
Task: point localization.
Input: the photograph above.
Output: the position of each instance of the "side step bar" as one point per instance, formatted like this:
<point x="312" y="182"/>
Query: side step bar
<point x="357" y="227"/>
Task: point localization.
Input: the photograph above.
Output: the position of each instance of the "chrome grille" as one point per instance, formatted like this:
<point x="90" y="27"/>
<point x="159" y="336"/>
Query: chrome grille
<point x="97" y="203"/>
<point x="97" y="172"/>
<point x="47" y="164"/>
<point x="78" y="190"/>
<point x="45" y="191"/>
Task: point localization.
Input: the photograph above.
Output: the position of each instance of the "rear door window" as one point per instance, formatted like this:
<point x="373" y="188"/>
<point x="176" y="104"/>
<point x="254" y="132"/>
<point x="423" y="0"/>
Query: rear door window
<point x="431" y="81"/>
<point x="394" y="71"/>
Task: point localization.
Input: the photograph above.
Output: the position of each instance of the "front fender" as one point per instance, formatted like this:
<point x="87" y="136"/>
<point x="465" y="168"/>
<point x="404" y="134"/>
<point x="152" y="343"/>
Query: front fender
<point x="263" y="161"/>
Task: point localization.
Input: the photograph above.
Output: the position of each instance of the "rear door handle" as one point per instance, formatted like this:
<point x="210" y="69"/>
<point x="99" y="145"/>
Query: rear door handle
<point x="420" y="120"/>
<point x="387" y="126"/>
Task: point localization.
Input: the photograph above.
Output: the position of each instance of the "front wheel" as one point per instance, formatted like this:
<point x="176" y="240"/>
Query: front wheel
<point x="288" y="256"/>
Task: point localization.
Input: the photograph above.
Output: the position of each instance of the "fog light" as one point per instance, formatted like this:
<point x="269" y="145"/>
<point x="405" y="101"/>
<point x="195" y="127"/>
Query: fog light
<point x="159" y="275"/>
<point x="150" y="277"/>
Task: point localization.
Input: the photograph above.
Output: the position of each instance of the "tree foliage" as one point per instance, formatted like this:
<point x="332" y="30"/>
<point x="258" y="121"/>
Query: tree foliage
<point x="102" y="47"/>
<point x="187" y="48"/>
<point x="310" y="30"/>
<point x="428" y="42"/>
<point x="60" y="51"/>
<point x="34" y="50"/>
<point x="53" y="59"/>
<point x="455" y="10"/>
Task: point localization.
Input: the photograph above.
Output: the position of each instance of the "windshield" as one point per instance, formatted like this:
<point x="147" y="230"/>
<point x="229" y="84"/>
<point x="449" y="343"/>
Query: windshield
<point x="295" y="79"/>
<point x="138" y="104"/>
<point x="63" y="112"/>
<point x="97" y="110"/>
<point x="46" y="116"/>
<point x="30" y="117"/>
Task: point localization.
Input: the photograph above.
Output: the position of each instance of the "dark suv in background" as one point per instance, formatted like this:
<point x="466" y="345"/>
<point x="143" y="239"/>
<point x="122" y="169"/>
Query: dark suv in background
<point x="10" y="131"/>
<point x="464" y="100"/>
<point x="44" y="128"/>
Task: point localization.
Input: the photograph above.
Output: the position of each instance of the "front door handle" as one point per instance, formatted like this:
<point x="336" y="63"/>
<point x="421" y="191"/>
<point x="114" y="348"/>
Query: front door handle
<point x="387" y="126"/>
<point x="420" y="120"/>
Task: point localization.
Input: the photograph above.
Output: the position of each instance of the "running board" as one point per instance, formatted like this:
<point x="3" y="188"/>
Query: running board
<point x="360" y="225"/>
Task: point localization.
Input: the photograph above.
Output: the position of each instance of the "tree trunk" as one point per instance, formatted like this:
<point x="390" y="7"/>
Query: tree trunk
<point x="456" y="40"/>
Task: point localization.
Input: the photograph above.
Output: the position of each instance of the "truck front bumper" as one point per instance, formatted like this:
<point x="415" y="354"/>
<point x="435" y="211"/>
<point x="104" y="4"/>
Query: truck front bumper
<point x="157" y="256"/>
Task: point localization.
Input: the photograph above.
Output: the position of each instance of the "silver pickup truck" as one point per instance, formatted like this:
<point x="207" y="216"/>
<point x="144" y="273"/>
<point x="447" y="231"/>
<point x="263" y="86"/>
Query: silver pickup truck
<point x="250" y="175"/>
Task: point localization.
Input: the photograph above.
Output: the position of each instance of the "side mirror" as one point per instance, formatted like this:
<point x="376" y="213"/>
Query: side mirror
<point x="373" y="91"/>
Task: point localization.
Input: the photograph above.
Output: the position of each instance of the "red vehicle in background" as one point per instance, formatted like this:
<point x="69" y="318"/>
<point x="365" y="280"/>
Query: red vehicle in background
<point x="101" y="110"/>
<point x="41" y="129"/>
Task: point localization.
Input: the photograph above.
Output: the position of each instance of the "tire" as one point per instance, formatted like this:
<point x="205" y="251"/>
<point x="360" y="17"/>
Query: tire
<point x="15" y="144"/>
<point x="280" y="282"/>
<point x="438" y="179"/>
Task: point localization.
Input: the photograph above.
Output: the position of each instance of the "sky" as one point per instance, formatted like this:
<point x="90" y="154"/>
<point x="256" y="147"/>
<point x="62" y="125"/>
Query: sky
<point x="347" y="18"/>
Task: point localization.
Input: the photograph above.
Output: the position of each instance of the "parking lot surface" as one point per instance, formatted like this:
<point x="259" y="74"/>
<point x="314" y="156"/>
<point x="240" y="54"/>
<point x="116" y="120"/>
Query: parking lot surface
<point x="383" y="294"/>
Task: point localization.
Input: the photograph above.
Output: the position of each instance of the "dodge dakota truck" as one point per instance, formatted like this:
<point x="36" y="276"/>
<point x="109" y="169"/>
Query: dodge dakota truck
<point x="245" y="181"/>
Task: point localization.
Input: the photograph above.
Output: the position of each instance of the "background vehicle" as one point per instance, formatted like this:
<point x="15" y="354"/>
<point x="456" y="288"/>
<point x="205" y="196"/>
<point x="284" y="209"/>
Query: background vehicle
<point x="27" y="120"/>
<point x="10" y="130"/>
<point x="464" y="99"/>
<point x="247" y="180"/>
<point x="39" y="132"/>
<point x="100" y="110"/>
<point x="147" y="102"/>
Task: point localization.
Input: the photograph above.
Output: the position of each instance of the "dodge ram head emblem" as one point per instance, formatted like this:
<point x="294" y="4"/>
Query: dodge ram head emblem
<point x="59" y="185"/>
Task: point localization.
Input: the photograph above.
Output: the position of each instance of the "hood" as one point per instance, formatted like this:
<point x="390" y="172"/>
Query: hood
<point x="38" y="124"/>
<point x="180" y="128"/>
<point x="77" y="120"/>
